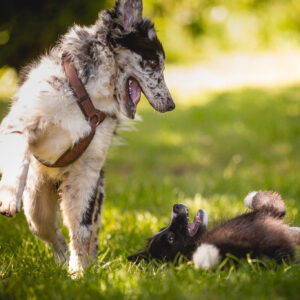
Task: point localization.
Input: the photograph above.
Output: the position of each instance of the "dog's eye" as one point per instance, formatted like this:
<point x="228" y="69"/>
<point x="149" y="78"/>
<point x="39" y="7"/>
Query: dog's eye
<point x="153" y="63"/>
<point x="171" y="237"/>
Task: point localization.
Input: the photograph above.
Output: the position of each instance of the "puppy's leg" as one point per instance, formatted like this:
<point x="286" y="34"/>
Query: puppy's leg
<point x="268" y="201"/>
<point x="96" y="220"/>
<point x="14" y="163"/>
<point x="79" y="193"/>
<point x="295" y="233"/>
<point x="40" y="207"/>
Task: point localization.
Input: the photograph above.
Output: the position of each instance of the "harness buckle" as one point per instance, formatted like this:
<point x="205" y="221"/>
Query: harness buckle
<point x="96" y="118"/>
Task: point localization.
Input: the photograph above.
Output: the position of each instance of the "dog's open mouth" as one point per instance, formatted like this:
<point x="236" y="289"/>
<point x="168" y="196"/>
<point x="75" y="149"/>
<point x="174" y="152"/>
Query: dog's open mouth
<point x="198" y="221"/>
<point x="133" y="96"/>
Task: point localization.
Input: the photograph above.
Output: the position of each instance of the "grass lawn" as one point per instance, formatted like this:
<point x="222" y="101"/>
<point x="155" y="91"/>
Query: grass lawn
<point x="207" y="156"/>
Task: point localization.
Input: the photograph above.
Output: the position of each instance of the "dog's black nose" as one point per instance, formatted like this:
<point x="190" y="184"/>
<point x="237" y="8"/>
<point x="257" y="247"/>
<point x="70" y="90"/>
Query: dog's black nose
<point x="180" y="209"/>
<point x="171" y="104"/>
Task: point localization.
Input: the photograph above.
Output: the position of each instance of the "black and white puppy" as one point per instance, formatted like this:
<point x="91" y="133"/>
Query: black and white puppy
<point x="260" y="233"/>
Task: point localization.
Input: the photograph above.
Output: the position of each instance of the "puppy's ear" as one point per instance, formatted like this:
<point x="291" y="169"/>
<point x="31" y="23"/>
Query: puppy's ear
<point x="129" y="13"/>
<point x="139" y="256"/>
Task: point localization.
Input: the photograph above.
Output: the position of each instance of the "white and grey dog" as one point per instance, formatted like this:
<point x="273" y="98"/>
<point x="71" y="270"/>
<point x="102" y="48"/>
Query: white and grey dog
<point x="116" y="58"/>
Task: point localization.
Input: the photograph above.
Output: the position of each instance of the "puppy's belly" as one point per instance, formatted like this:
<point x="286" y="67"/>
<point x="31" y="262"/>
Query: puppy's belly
<point x="52" y="144"/>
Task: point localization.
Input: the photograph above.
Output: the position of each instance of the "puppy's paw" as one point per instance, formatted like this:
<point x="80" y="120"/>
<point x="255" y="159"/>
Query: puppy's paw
<point x="248" y="201"/>
<point x="206" y="257"/>
<point x="9" y="205"/>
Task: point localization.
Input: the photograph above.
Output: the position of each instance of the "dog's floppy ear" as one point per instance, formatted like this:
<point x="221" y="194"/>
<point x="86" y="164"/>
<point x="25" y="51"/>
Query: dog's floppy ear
<point x="129" y="13"/>
<point x="139" y="256"/>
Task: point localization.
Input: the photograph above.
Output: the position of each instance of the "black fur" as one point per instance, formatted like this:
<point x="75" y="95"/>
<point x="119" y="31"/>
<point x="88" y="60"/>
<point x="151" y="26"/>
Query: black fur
<point x="140" y="43"/>
<point x="100" y="197"/>
<point x="146" y="48"/>
<point x="88" y="214"/>
<point x="99" y="204"/>
<point x="259" y="233"/>
<point x="95" y="203"/>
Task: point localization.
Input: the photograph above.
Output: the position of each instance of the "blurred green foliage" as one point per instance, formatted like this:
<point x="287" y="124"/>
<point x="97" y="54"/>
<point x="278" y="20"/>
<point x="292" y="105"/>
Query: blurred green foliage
<point x="189" y="29"/>
<point x="27" y="28"/>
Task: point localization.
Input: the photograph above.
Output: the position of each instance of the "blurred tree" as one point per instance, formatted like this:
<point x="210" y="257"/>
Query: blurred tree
<point x="29" y="27"/>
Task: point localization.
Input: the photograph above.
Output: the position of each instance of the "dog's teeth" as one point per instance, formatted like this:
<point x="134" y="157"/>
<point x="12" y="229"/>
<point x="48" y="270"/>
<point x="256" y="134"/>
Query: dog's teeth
<point x="129" y="88"/>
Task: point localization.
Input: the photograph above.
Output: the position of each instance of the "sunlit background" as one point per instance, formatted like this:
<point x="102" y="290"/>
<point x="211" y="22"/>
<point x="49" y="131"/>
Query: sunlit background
<point x="210" y="45"/>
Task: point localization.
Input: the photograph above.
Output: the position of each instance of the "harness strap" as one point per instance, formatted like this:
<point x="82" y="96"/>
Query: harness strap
<point x="92" y="115"/>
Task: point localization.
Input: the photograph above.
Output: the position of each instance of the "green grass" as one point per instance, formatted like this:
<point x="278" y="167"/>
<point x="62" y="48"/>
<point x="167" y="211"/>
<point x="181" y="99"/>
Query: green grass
<point x="207" y="156"/>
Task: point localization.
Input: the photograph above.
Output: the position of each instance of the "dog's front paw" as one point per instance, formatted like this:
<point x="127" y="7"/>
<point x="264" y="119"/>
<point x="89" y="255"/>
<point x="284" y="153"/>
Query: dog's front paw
<point x="9" y="205"/>
<point x="76" y="273"/>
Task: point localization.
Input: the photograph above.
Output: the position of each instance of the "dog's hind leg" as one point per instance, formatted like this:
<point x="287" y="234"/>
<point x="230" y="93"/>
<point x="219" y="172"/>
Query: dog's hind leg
<point x="78" y="193"/>
<point x="267" y="201"/>
<point x="14" y="163"/>
<point x="40" y="207"/>
<point x="96" y="219"/>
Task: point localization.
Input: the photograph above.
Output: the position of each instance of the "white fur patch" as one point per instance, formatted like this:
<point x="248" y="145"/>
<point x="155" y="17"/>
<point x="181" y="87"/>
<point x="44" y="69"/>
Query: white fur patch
<point x="206" y="257"/>
<point x="249" y="199"/>
<point x="205" y="218"/>
<point x="152" y="34"/>
<point x="295" y="229"/>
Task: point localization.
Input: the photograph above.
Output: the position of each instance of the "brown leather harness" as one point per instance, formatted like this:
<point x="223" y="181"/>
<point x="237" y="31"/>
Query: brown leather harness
<point x="92" y="115"/>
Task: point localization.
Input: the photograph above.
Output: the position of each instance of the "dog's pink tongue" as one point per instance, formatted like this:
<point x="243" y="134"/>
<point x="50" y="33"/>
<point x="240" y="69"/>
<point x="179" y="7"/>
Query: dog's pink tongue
<point x="135" y="94"/>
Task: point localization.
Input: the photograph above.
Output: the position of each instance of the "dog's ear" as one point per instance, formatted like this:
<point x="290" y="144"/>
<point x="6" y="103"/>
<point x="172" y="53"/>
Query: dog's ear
<point x="129" y="13"/>
<point x="139" y="256"/>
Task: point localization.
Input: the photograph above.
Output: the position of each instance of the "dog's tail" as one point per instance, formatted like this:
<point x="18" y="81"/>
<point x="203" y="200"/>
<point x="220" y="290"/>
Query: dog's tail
<point x="266" y="201"/>
<point x="295" y="233"/>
